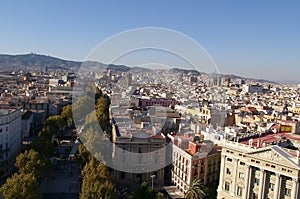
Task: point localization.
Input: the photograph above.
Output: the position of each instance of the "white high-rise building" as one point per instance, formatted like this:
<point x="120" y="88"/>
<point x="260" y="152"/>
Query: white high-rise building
<point x="10" y="138"/>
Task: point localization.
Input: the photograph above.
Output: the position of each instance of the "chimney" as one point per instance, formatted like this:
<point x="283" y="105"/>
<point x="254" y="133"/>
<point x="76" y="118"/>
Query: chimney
<point x="258" y="143"/>
<point x="250" y="142"/>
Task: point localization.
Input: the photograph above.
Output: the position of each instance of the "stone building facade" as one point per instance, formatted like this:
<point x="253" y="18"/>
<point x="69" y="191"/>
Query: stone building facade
<point x="248" y="172"/>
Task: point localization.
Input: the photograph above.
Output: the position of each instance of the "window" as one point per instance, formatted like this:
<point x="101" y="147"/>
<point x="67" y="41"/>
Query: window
<point x="122" y="175"/>
<point x="202" y="162"/>
<point x="287" y="192"/>
<point x="242" y="163"/>
<point x="229" y="159"/>
<point x="201" y="170"/>
<point x="228" y="171"/>
<point x="271" y="186"/>
<point x="255" y="196"/>
<point x="239" y="191"/>
<point x="156" y="157"/>
<point x="156" y="174"/>
<point x="241" y="175"/>
<point x="227" y="186"/>
<point x="256" y="181"/>
<point x="139" y="177"/>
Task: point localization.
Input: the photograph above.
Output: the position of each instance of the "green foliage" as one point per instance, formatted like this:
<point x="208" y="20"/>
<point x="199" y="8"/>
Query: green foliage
<point x="44" y="146"/>
<point x="20" y="186"/>
<point x="67" y="115"/>
<point x="54" y="123"/>
<point x="96" y="182"/>
<point x="83" y="156"/>
<point x="82" y="106"/>
<point x="102" y="112"/>
<point x="30" y="162"/>
<point x="146" y="192"/>
<point x="196" y="190"/>
<point x="160" y="195"/>
<point x="43" y="143"/>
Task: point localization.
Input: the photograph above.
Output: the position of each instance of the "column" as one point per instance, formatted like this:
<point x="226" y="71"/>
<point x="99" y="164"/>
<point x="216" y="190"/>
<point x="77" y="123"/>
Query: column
<point x="277" y="186"/>
<point x="295" y="188"/>
<point x="234" y="176"/>
<point x="262" y="184"/>
<point x="222" y="168"/>
<point x="248" y="179"/>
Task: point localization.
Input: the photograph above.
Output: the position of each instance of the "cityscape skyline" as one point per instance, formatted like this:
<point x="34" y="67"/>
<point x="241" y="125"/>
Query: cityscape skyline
<point x="257" y="39"/>
<point x="139" y="99"/>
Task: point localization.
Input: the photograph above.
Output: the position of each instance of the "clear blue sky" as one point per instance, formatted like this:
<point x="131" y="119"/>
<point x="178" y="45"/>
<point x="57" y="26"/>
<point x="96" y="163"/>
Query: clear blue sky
<point x="249" y="38"/>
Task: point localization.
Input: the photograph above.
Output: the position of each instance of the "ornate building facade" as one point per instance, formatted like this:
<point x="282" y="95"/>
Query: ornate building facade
<point x="248" y="172"/>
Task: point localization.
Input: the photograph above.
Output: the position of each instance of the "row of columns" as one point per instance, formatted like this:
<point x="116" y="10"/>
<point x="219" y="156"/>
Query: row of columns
<point x="277" y="187"/>
<point x="262" y="185"/>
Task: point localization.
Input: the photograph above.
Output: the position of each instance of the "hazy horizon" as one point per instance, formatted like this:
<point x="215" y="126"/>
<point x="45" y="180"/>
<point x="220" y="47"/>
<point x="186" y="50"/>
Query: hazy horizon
<point x="258" y="39"/>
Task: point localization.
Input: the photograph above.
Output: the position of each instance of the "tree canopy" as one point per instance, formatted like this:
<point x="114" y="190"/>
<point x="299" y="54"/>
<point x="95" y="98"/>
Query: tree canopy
<point x="30" y="162"/>
<point x="22" y="186"/>
<point x="96" y="182"/>
<point x="196" y="190"/>
<point x="67" y="115"/>
<point x="146" y="192"/>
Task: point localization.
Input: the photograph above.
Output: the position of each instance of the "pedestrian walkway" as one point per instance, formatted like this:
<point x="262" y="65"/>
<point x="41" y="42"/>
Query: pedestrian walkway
<point x="62" y="182"/>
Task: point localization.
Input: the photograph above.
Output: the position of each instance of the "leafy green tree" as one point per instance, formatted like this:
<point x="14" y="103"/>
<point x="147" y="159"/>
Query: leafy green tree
<point x="22" y="186"/>
<point x="96" y="182"/>
<point x="67" y="115"/>
<point x="44" y="146"/>
<point x="31" y="162"/>
<point x="196" y="190"/>
<point x="102" y="112"/>
<point x="82" y="106"/>
<point x="160" y="195"/>
<point x="83" y="156"/>
<point x="55" y="123"/>
<point x="144" y="192"/>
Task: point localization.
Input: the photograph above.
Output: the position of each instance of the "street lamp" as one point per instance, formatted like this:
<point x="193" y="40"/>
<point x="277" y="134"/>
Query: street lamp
<point x="152" y="176"/>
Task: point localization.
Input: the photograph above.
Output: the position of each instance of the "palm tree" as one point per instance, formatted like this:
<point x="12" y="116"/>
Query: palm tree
<point x="196" y="190"/>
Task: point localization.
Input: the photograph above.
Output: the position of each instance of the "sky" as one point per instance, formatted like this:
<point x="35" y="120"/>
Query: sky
<point x="258" y="39"/>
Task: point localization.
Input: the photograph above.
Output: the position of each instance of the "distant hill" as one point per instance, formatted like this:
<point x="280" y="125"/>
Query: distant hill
<point x="37" y="61"/>
<point x="248" y="78"/>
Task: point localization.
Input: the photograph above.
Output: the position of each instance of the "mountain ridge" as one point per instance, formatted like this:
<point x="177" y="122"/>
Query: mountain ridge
<point x="32" y="60"/>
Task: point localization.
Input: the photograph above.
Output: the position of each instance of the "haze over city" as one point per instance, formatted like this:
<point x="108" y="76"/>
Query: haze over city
<point x="149" y="99"/>
<point x="258" y="39"/>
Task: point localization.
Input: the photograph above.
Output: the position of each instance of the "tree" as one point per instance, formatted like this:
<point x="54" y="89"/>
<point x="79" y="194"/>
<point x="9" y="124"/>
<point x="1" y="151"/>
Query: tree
<point x="22" y="186"/>
<point x="55" y="123"/>
<point x="83" y="156"/>
<point x="81" y="107"/>
<point x="196" y="190"/>
<point x="44" y="146"/>
<point x="30" y="162"/>
<point x="67" y="115"/>
<point x="102" y="112"/>
<point x="96" y="182"/>
<point x="160" y="195"/>
<point x="146" y="192"/>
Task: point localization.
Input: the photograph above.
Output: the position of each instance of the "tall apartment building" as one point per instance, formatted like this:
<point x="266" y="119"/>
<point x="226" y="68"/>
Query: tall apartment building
<point x="10" y="138"/>
<point x="193" y="159"/>
<point x="259" y="168"/>
<point x="139" y="156"/>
